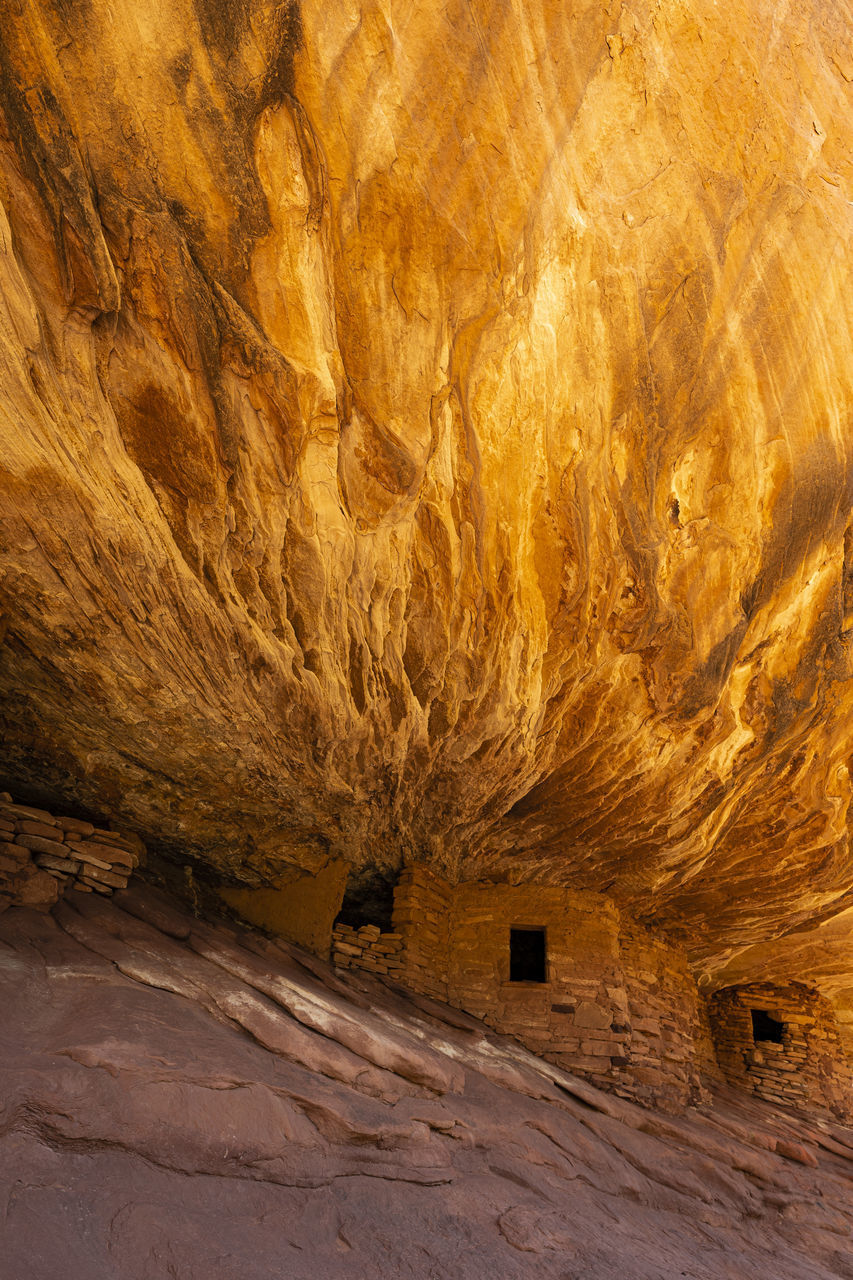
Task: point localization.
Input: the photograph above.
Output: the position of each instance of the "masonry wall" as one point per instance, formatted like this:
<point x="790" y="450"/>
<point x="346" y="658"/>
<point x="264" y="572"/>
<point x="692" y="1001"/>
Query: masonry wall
<point x="367" y="948"/>
<point x="619" y="1006"/>
<point x="415" y="951"/>
<point x="808" y="1069"/>
<point x="670" y="1043"/>
<point x="300" y="907"/>
<point x="41" y="854"/>
<point x="578" y="1018"/>
<point x="422" y="911"/>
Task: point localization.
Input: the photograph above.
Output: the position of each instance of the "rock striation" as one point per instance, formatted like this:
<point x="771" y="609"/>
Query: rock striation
<point x="427" y="441"/>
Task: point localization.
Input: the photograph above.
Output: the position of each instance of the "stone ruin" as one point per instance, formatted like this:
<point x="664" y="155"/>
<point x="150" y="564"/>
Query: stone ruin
<point x="566" y="972"/>
<point x="563" y="971"/>
<point x="40" y="855"/>
<point x="580" y="983"/>
<point x="782" y="1044"/>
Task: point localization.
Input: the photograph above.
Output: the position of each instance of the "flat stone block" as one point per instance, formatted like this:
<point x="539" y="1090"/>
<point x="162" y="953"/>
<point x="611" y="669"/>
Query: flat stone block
<point x="596" y="1048"/>
<point x="99" y="876"/>
<point x="38" y="844"/>
<point x="589" y="1014"/>
<point x="17" y="811"/>
<point x="110" y="854"/>
<point x="76" y="826"/>
<point x="51" y="863"/>
<point x="29" y="828"/>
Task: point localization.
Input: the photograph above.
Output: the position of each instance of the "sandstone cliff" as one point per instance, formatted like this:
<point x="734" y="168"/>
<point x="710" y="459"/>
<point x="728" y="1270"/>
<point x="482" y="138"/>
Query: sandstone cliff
<point x="426" y="436"/>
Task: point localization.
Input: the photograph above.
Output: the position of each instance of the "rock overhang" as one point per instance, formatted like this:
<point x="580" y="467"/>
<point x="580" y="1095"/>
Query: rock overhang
<point x="448" y="463"/>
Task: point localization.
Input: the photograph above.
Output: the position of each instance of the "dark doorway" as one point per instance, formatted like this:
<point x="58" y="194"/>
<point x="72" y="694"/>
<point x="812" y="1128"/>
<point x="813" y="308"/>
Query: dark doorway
<point x="766" y="1028"/>
<point x="527" y="955"/>
<point x="369" y="899"/>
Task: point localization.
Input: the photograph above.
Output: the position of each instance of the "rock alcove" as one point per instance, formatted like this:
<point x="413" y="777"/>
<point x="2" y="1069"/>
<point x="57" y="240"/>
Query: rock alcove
<point x="425" y="510"/>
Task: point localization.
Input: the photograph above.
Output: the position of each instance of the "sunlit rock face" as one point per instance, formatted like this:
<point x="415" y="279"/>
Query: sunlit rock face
<point x="427" y="434"/>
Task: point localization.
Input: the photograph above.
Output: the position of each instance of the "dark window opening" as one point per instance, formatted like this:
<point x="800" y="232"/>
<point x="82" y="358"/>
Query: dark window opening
<point x="766" y="1028"/>
<point x="527" y="955"/>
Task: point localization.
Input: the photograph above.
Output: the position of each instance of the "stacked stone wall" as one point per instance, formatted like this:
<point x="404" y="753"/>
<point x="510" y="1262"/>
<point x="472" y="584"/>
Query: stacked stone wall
<point x="421" y="917"/>
<point x="808" y="1069"/>
<point x="367" y="948"/>
<point x="41" y="854"/>
<point x="618" y="1006"/>
<point x="577" y="1018"/>
<point x="668" y="1032"/>
<point x="706" y="1051"/>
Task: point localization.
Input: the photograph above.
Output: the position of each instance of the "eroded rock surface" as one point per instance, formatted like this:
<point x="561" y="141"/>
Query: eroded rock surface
<point x="178" y="1098"/>
<point x="427" y="435"/>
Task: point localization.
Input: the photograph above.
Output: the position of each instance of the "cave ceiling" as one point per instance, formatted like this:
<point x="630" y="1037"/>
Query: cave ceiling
<point x="427" y="434"/>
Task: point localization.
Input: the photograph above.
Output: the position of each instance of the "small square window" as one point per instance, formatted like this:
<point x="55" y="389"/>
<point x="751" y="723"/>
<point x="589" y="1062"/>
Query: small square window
<point x="527" y="955"/>
<point x="766" y="1029"/>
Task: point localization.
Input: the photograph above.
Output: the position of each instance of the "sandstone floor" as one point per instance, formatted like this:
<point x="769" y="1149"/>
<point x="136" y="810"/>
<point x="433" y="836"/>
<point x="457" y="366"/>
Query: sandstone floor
<point x="182" y="1100"/>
